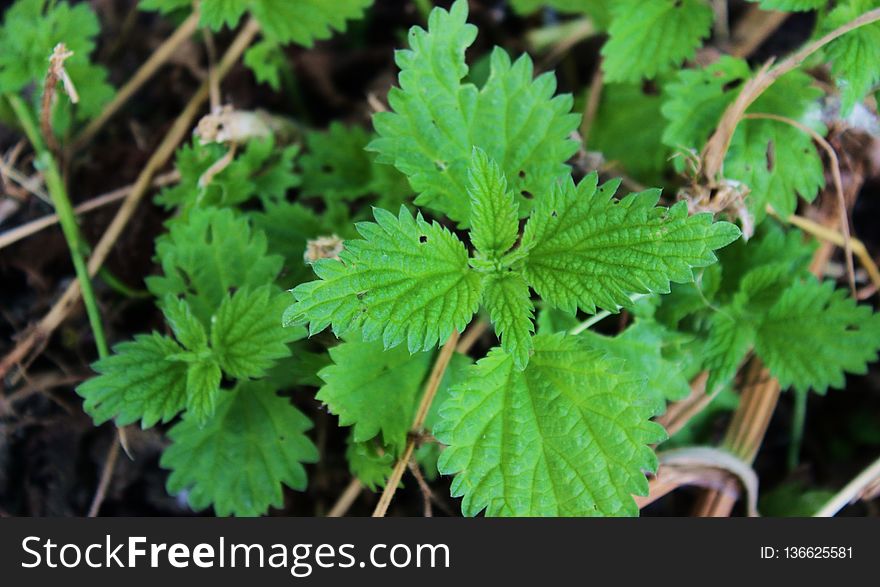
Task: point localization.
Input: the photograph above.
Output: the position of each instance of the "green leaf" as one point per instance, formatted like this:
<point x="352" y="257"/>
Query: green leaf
<point x="642" y="347"/>
<point x="568" y="436"/>
<point x="494" y="222"/>
<point x="695" y="99"/>
<point x="247" y="336"/>
<point x="814" y="333"/>
<point x="202" y="390"/>
<point x="240" y="459"/>
<point x="266" y="60"/>
<point x="775" y="160"/>
<point x="437" y="120"/>
<point x="854" y="57"/>
<point x="139" y="381"/>
<point x="376" y="391"/>
<point x="187" y="328"/>
<point x="367" y="464"/>
<point x="405" y="281"/>
<point x="731" y="336"/>
<point x="260" y="170"/>
<point x="282" y="21"/>
<point x="507" y="299"/>
<point x="778" y="162"/>
<point x="587" y="250"/>
<point x="31" y="30"/>
<point x="791" y="5"/>
<point x="628" y="128"/>
<point x="208" y="253"/>
<point x="335" y="165"/>
<point x="649" y="38"/>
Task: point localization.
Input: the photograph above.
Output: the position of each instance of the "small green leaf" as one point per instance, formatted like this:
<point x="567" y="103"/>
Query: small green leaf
<point x="494" y="222"/>
<point x="239" y="460"/>
<point x="187" y="328"/>
<point x="137" y="382"/>
<point x="208" y="253"/>
<point x="587" y="250"/>
<point x="507" y="299"/>
<point x="405" y="281"/>
<point x="247" y="336"/>
<point x="647" y="38"/>
<point x="436" y="119"/>
<point x="814" y="334"/>
<point x="854" y="57"/>
<point x="202" y="390"/>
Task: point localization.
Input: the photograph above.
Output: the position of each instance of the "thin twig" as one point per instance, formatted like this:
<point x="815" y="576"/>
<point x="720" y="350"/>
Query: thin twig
<point x="162" y="54"/>
<point x="851" y="492"/>
<point x="160" y="157"/>
<point x="106" y="477"/>
<point x="832" y="236"/>
<point x="592" y="105"/>
<point x="717" y="146"/>
<point x="34" y="226"/>
<point x="471" y="336"/>
<point x="348" y="497"/>
<point x="431" y="387"/>
<point x="838" y="187"/>
<point x="427" y="495"/>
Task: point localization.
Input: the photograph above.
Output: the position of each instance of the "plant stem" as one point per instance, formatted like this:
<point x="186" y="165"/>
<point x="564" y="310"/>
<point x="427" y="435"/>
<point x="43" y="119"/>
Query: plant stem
<point x="431" y="388"/>
<point x="66" y="217"/>
<point x="799" y="418"/>
<point x="596" y="318"/>
<point x="850" y="492"/>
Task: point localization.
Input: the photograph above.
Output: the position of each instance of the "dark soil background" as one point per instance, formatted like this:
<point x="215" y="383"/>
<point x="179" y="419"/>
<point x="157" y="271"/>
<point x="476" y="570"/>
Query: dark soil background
<point x="51" y="455"/>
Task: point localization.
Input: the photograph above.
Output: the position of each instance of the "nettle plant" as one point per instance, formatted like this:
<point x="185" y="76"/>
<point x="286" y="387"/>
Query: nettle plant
<point x="557" y="419"/>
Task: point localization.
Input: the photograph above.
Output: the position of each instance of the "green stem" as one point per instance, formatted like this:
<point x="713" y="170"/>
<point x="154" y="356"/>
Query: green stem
<point x="66" y="217"/>
<point x="799" y="418"/>
<point x="596" y="318"/>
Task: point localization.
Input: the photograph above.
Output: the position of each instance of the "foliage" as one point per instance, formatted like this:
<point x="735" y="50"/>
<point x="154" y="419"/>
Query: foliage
<point x="31" y="30"/>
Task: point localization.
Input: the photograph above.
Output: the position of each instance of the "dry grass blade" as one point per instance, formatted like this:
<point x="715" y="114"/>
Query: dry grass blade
<point x="431" y="387"/>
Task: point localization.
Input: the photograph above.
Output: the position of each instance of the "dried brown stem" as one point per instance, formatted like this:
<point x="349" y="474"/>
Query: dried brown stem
<point x="348" y="497"/>
<point x="25" y="230"/>
<point x="431" y="387"/>
<point x="716" y="148"/>
<point x="106" y="477"/>
<point x="838" y="188"/>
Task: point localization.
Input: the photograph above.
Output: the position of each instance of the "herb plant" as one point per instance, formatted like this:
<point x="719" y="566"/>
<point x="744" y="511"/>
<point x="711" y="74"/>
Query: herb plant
<point x="473" y="203"/>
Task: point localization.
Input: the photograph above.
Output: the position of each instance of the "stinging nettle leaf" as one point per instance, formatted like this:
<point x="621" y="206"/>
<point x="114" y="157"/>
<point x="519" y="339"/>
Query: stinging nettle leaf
<point x="239" y="460"/>
<point x="648" y="38"/>
<point x="139" y="381"/>
<point x="508" y="301"/>
<point x="587" y="250"/>
<point x="407" y="281"/>
<point x="247" y="336"/>
<point x="567" y="436"/>
<point x="202" y="390"/>
<point x="814" y="334"/>
<point x="436" y="120"/>
<point x="494" y="218"/>
<point x="206" y="254"/>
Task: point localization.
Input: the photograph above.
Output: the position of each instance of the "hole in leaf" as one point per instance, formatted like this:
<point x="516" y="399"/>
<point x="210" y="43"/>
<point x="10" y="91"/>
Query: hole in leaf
<point x="423" y="239"/>
<point x="732" y="84"/>
<point x="522" y="174"/>
<point x="554" y="214"/>
<point x="771" y="156"/>
<point x="526" y="194"/>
